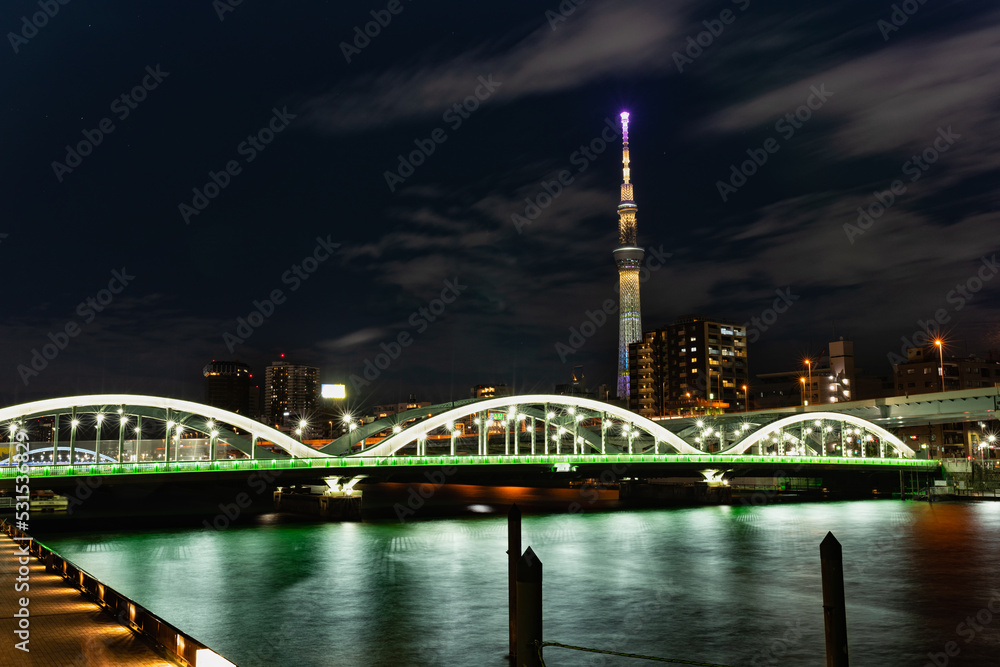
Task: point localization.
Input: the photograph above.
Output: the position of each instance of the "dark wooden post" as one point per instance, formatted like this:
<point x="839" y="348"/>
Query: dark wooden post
<point x="513" y="554"/>
<point x="834" y="607"/>
<point x="529" y="609"/>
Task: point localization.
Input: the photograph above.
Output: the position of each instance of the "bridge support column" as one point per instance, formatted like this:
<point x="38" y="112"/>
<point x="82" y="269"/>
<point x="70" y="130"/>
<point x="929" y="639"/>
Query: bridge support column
<point x="55" y="441"/>
<point x="97" y="442"/>
<point x="534" y="435"/>
<point x="253" y="445"/>
<point x="72" y="435"/>
<point x="630" y="437"/>
<point x="577" y="449"/>
<point x="843" y="441"/>
<point x="138" y="437"/>
<point x="453" y="432"/>
<point x="545" y="430"/>
<point x="506" y="435"/>
<point x="121" y="437"/>
<point x="168" y="425"/>
<point x="482" y="429"/>
<point x="604" y="433"/>
<point x="517" y="435"/>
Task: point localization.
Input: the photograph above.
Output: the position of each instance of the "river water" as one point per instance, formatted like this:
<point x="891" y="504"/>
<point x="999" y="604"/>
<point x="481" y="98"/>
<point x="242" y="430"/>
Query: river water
<point x="727" y="585"/>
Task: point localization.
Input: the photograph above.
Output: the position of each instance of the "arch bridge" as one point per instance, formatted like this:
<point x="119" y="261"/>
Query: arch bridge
<point x="127" y="434"/>
<point x="129" y="428"/>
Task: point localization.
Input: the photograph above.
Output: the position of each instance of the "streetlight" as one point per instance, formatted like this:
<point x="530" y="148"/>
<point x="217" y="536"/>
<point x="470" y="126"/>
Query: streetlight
<point x="810" y="371"/>
<point x="940" y="348"/>
<point x="802" y="381"/>
<point x="746" y="399"/>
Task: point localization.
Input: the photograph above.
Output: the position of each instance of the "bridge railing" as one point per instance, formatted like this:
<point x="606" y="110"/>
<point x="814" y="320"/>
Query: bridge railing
<point x="332" y="464"/>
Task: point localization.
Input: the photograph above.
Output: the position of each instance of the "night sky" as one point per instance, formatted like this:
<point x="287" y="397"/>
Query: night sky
<point x="312" y="144"/>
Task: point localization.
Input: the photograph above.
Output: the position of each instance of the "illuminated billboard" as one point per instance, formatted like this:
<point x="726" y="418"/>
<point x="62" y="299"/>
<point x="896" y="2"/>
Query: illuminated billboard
<point x="333" y="390"/>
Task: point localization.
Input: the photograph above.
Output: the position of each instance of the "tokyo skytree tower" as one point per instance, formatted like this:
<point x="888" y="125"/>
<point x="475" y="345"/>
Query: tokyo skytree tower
<point x="628" y="257"/>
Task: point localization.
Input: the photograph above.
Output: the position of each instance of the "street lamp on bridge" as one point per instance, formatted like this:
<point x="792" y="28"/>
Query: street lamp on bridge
<point x="809" y="370"/>
<point x="940" y="347"/>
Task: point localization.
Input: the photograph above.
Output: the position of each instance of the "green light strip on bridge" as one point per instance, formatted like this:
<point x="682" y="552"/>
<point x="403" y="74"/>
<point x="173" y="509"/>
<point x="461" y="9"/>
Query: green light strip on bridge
<point x="332" y="464"/>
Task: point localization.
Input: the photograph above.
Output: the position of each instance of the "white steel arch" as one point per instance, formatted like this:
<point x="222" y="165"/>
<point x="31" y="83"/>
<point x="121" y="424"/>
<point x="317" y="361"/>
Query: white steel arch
<point x="746" y="443"/>
<point x="54" y="405"/>
<point x="397" y="441"/>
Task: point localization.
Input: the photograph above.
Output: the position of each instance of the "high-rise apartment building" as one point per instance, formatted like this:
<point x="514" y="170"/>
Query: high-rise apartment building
<point x="696" y="362"/>
<point x="291" y="393"/>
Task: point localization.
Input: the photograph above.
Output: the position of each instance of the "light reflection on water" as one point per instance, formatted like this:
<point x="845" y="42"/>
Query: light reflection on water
<point x="730" y="585"/>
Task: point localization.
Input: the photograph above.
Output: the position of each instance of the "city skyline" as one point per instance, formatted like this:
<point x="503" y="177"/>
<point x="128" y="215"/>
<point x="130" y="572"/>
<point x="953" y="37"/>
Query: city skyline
<point x="437" y="188"/>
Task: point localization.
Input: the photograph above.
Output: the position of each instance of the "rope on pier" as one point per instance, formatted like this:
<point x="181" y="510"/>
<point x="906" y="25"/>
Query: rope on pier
<point x="541" y="645"/>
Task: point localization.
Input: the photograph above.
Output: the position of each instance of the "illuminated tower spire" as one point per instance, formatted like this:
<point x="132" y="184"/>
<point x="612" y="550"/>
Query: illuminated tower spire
<point x="628" y="257"/>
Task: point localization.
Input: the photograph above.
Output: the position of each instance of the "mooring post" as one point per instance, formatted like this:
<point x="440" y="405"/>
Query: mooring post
<point x="529" y="609"/>
<point x="513" y="554"/>
<point x="834" y="607"/>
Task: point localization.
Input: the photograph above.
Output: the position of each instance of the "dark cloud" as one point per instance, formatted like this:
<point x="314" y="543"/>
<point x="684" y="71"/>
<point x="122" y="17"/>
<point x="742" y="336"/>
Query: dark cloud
<point x="459" y="216"/>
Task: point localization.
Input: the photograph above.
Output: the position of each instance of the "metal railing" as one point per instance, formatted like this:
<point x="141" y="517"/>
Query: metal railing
<point x="350" y="462"/>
